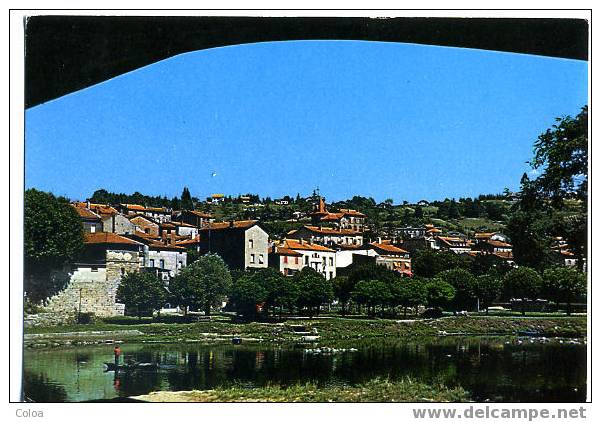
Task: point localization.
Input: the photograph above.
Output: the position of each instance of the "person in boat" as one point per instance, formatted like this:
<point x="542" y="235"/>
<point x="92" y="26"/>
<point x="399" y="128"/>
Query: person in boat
<point x="117" y="353"/>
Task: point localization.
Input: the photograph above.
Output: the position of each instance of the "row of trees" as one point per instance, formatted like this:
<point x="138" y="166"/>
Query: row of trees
<point x="207" y="283"/>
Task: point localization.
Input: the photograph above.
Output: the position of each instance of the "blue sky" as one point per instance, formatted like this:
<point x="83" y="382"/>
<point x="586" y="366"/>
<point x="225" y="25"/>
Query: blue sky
<point x="386" y="120"/>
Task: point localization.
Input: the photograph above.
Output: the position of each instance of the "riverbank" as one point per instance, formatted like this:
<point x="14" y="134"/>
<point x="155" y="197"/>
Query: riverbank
<point x="327" y="332"/>
<point x="377" y="390"/>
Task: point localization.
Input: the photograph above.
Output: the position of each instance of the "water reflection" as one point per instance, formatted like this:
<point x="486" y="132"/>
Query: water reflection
<point x="490" y="369"/>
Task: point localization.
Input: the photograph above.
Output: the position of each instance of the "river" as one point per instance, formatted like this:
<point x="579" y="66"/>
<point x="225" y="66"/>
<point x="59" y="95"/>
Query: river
<point x="490" y="368"/>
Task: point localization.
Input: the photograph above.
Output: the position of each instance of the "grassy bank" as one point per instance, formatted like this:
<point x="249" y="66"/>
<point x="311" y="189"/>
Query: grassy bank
<point x="376" y="390"/>
<point x="331" y="331"/>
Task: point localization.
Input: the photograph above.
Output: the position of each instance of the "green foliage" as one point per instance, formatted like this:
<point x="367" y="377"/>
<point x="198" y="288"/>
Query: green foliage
<point x="141" y="292"/>
<point x="371" y="293"/>
<point x="522" y="283"/>
<point x="314" y="289"/>
<point x="53" y="237"/>
<point x="203" y="284"/>
<point x="562" y="153"/>
<point x="562" y="284"/>
<point x="465" y="287"/>
<point x="186" y="200"/>
<point x="102" y="196"/>
<point x="343" y="288"/>
<point x="428" y="262"/>
<point x="409" y="292"/>
<point x="488" y="289"/>
<point x="247" y="293"/>
<point x="439" y="293"/>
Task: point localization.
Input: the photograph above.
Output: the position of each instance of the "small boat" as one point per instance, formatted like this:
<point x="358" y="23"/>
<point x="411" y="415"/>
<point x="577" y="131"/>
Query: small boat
<point x="137" y="366"/>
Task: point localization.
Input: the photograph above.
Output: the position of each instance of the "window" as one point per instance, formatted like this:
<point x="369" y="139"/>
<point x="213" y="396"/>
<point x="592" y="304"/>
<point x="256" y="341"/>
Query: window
<point x="92" y="229"/>
<point x="147" y="231"/>
<point x="296" y="259"/>
<point x="331" y="261"/>
<point x="252" y="258"/>
<point x="180" y="264"/>
<point x="261" y="258"/>
<point x="324" y="261"/>
<point x="94" y="269"/>
<point x="122" y="271"/>
<point x="331" y="275"/>
<point x="250" y="243"/>
<point x="152" y="263"/>
<point x="306" y="260"/>
<point x="285" y="259"/>
<point x="162" y="263"/>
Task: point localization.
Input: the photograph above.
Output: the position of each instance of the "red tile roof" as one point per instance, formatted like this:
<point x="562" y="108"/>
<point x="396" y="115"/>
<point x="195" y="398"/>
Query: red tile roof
<point x="134" y="207"/>
<point x="351" y="212"/>
<point x="103" y="209"/>
<point x="85" y="213"/>
<point x="304" y="245"/>
<point x="484" y="235"/>
<point x="200" y="214"/>
<point x="280" y="250"/>
<point x="455" y="242"/>
<point x="112" y="238"/>
<point x="388" y="248"/>
<point x="499" y="244"/>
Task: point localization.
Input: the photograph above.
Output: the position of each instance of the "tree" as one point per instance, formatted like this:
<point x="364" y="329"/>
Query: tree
<point x="247" y="293"/>
<point x="371" y="293"/>
<point x="270" y="280"/>
<point x="561" y="157"/>
<point x="522" y="283"/>
<point x="142" y="292"/>
<point x="314" y="289"/>
<point x="488" y="288"/>
<point x="343" y="288"/>
<point x="203" y="284"/>
<point x="53" y="237"/>
<point x="562" y="284"/>
<point x="439" y="293"/>
<point x="186" y="201"/>
<point x="562" y="153"/>
<point x="428" y="262"/>
<point x="408" y="293"/>
<point x="419" y="213"/>
<point x="465" y="287"/>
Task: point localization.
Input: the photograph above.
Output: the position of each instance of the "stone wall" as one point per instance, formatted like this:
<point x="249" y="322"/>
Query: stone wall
<point x="93" y="289"/>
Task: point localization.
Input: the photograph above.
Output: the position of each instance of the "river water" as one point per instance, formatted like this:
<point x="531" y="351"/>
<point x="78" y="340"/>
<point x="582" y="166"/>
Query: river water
<point x="491" y="369"/>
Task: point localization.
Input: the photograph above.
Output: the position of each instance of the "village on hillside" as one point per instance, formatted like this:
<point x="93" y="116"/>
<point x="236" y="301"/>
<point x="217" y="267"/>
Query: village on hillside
<point x="126" y="238"/>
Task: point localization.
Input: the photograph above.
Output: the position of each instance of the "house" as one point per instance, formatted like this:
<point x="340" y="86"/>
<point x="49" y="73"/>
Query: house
<point x="453" y="244"/>
<point x="322" y="259"/>
<point x="348" y="219"/>
<point x="93" y="280"/>
<point x="194" y="217"/>
<point x="92" y="223"/>
<point x="412" y="232"/>
<point x="165" y="256"/>
<point x="327" y="236"/>
<point x="282" y="202"/>
<point x="392" y="257"/>
<point x="242" y="244"/>
<point x="216" y="198"/>
<point x="145" y="224"/>
<point x="285" y="260"/>
<point x="158" y="214"/>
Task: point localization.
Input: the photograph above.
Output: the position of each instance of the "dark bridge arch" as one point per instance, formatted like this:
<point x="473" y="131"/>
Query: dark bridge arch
<point x="68" y="53"/>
